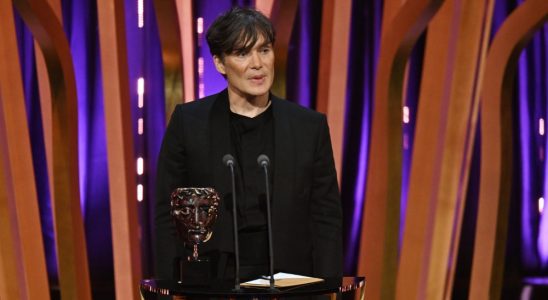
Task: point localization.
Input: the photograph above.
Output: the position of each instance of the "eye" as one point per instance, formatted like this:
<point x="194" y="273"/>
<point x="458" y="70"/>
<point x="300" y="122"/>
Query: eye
<point x="265" y="50"/>
<point x="241" y="54"/>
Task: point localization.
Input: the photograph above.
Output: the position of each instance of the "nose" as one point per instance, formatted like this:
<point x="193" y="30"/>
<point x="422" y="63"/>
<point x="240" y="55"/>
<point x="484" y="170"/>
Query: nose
<point x="256" y="61"/>
<point x="196" y="215"/>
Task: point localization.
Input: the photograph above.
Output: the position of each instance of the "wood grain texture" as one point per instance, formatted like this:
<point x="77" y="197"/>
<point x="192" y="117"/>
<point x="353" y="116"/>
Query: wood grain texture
<point x="186" y="28"/>
<point x="121" y="159"/>
<point x="496" y="150"/>
<point x="282" y="16"/>
<point x="22" y="261"/>
<point x="380" y="226"/>
<point x="444" y="135"/>
<point x="70" y="240"/>
<point x="333" y="71"/>
<point x="170" y="41"/>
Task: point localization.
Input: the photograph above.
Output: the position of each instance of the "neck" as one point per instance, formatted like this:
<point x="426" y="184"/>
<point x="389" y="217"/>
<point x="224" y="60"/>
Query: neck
<point x="248" y="106"/>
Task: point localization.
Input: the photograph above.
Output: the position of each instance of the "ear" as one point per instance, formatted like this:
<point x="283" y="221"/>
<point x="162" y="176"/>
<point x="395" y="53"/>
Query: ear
<point x="219" y="65"/>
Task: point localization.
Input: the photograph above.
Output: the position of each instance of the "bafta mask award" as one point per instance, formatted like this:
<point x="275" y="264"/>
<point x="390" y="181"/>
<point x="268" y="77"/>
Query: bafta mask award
<point x="194" y="211"/>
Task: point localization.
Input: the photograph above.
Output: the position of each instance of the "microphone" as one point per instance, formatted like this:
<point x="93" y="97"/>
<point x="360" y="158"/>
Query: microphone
<point x="228" y="160"/>
<point x="264" y="163"/>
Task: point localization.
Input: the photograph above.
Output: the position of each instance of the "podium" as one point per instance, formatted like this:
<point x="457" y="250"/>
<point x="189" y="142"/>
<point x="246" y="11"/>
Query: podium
<point x="331" y="287"/>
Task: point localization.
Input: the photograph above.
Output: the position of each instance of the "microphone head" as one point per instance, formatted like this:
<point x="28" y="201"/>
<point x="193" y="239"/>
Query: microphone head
<point x="263" y="160"/>
<point x="228" y="160"/>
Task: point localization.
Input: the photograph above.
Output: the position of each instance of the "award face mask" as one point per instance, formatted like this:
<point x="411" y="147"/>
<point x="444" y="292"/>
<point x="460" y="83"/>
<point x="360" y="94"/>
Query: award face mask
<point x="194" y="211"/>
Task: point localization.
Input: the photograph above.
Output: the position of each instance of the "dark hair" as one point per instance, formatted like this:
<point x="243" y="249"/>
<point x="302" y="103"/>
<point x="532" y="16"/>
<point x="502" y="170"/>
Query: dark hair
<point x="238" y="30"/>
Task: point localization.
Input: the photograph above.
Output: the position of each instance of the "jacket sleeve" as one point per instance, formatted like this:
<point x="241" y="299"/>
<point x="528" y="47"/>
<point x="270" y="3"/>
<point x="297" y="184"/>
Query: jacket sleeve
<point x="170" y="175"/>
<point x="326" y="209"/>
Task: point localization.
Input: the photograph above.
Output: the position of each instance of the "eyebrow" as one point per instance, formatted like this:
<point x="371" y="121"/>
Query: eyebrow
<point x="265" y="44"/>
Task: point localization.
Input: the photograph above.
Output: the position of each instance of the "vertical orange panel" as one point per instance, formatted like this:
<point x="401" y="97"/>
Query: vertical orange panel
<point x="264" y="6"/>
<point x="446" y="123"/>
<point x="333" y="70"/>
<point x="45" y="98"/>
<point x="283" y="17"/>
<point x="170" y="39"/>
<point x="473" y="93"/>
<point x="12" y="278"/>
<point x="121" y="160"/>
<point x="496" y="156"/>
<point x="426" y="159"/>
<point x="45" y="106"/>
<point x="22" y="260"/>
<point x="71" y="245"/>
<point x="186" y="19"/>
<point x="389" y="11"/>
<point x="379" y="241"/>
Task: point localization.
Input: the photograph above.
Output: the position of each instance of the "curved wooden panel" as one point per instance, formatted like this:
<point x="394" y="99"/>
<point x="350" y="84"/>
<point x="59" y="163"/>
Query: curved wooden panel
<point x="333" y="71"/>
<point x="121" y="159"/>
<point x="496" y="150"/>
<point x="170" y="40"/>
<point x="282" y="16"/>
<point x="45" y="96"/>
<point x="71" y="244"/>
<point x="186" y="21"/>
<point x="379" y="240"/>
<point x="264" y="6"/>
<point x="23" y="272"/>
<point x="444" y="135"/>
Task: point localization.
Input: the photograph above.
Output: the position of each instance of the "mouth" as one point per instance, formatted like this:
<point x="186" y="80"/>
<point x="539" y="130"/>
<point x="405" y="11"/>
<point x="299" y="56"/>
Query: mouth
<point x="257" y="79"/>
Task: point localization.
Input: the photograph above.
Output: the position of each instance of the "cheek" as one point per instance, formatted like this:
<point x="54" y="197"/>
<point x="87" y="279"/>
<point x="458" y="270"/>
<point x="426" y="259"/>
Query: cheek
<point x="233" y="74"/>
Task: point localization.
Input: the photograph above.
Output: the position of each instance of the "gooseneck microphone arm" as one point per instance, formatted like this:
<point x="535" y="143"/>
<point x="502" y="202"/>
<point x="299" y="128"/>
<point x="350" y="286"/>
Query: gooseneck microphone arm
<point x="228" y="160"/>
<point x="264" y="163"/>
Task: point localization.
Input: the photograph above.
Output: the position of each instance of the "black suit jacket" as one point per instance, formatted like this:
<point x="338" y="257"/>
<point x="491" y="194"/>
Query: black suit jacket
<point x="306" y="210"/>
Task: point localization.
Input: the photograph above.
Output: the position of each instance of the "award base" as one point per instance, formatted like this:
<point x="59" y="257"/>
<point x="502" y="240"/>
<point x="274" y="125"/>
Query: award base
<point x="194" y="272"/>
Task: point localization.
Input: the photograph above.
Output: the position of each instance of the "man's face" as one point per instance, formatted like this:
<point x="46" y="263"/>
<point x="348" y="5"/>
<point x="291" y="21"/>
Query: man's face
<point x="249" y="74"/>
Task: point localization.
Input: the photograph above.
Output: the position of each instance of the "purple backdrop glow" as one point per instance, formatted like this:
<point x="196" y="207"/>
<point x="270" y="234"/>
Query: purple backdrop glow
<point x="144" y="61"/>
<point x="538" y="85"/>
<point x="80" y="23"/>
<point x="363" y="53"/>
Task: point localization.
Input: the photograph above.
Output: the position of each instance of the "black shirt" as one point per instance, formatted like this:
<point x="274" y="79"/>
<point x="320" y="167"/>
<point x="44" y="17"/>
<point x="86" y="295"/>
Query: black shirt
<point x="252" y="137"/>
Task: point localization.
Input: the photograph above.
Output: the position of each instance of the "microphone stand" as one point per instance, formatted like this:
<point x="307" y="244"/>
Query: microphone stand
<point x="228" y="160"/>
<point x="263" y="162"/>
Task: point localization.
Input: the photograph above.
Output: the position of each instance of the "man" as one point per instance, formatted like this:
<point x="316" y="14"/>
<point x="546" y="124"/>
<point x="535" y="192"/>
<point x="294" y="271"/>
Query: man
<point x="246" y="120"/>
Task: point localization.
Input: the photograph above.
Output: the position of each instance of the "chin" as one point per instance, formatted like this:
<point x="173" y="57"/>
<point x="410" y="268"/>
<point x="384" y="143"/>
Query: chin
<point x="258" y="91"/>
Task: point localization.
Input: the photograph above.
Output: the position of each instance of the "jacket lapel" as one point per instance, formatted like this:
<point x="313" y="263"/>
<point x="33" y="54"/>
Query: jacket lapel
<point x="220" y="145"/>
<point x="284" y="149"/>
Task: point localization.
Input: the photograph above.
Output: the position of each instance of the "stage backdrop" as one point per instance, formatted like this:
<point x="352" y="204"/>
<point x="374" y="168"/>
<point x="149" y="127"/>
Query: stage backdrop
<point x="437" y="112"/>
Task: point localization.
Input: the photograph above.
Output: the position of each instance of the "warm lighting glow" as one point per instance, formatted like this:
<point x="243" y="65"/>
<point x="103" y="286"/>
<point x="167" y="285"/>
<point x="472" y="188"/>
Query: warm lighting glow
<point x="140" y="125"/>
<point x="140" y="14"/>
<point x="140" y="92"/>
<point x="405" y="114"/>
<point x="139" y="192"/>
<point x="200" y="66"/>
<point x="201" y="90"/>
<point x="201" y="85"/>
<point x="540" y="205"/>
<point x="541" y="126"/>
<point x="200" y="25"/>
<point x="140" y="168"/>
